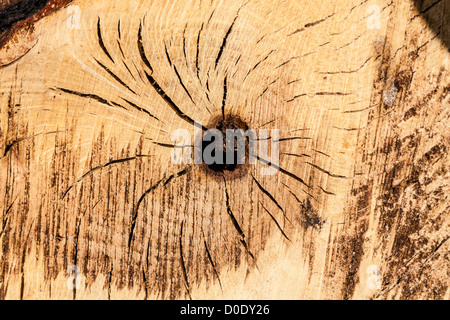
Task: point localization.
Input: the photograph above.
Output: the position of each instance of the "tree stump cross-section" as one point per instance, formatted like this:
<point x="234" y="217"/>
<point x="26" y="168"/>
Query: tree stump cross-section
<point x="92" y="204"/>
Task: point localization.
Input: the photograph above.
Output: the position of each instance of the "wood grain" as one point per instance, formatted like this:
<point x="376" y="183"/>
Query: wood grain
<point x="359" y="92"/>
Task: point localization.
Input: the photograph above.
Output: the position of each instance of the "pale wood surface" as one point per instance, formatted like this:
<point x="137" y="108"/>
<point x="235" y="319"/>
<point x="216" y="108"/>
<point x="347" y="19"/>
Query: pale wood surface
<point x="368" y="106"/>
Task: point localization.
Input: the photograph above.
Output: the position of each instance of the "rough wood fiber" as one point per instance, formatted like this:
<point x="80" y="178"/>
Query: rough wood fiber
<point x="88" y="103"/>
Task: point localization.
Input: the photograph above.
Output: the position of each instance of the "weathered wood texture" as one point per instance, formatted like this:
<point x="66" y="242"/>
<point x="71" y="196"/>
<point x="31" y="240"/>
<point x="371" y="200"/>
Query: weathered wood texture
<point x="358" y="89"/>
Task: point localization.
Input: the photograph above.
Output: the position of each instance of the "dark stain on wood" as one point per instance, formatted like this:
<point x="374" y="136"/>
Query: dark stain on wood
<point x="437" y="15"/>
